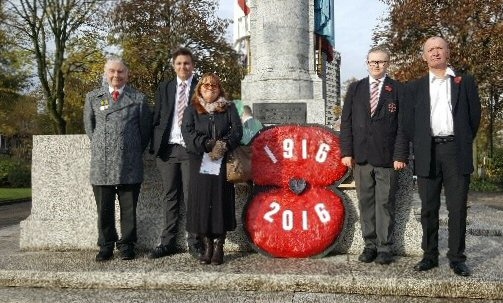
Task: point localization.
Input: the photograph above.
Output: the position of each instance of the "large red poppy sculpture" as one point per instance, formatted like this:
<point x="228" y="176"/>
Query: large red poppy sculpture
<point x="294" y="214"/>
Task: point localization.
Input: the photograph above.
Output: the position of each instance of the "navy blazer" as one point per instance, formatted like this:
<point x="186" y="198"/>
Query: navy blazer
<point x="466" y="115"/>
<point x="165" y="99"/>
<point x="377" y="140"/>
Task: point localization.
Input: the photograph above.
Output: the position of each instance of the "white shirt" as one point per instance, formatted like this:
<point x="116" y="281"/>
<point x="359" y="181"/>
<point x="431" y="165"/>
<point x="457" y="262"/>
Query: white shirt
<point x="442" y="123"/>
<point x="111" y="90"/>
<point x="175" y="136"/>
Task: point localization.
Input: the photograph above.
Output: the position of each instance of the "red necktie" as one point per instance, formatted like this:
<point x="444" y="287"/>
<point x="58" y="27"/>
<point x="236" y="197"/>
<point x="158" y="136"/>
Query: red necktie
<point x="115" y="95"/>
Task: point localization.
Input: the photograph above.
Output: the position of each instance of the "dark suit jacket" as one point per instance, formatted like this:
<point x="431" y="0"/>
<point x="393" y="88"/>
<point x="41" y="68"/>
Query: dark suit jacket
<point x="165" y="99"/>
<point x="377" y="140"/>
<point x="466" y="114"/>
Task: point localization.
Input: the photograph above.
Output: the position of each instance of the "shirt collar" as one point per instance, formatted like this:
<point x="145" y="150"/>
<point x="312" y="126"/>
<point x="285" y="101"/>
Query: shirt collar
<point x="448" y="72"/>
<point x="188" y="81"/>
<point x="120" y="90"/>
<point x="372" y="80"/>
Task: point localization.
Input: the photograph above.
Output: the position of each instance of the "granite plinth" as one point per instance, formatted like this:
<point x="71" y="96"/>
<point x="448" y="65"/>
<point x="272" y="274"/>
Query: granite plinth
<point x="63" y="215"/>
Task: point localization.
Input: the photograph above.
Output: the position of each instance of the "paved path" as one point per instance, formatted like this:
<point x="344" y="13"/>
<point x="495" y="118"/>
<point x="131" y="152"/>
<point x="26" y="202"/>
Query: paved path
<point x="248" y="277"/>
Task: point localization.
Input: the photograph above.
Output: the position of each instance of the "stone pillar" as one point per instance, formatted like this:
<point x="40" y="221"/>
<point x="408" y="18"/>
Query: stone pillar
<point x="282" y="57"/>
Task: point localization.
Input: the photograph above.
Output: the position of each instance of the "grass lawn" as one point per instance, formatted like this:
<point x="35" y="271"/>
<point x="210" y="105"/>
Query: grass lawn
<point x="9" y="194"/>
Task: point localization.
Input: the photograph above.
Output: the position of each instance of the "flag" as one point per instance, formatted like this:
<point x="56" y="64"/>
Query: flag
<point x="324" y="27"/>
<point x="244" y="7"/>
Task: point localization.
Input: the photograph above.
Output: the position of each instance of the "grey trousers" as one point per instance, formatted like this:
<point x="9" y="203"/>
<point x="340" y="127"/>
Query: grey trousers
<point x="376" y="188"/>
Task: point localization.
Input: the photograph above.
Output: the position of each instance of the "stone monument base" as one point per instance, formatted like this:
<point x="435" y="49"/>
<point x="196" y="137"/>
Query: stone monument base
<point x="63" y="215"/>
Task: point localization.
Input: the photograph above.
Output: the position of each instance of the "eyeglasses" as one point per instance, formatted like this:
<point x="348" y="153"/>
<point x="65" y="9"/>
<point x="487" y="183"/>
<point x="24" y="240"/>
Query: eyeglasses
<point x="376" y="63"/>
<point x="210" y="86"/>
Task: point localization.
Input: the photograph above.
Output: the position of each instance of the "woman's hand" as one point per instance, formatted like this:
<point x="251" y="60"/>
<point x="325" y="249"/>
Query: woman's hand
<point x="218" y="150"/>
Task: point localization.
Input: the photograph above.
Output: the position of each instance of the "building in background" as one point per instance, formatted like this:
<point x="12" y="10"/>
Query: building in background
<point x="241" y="32"/>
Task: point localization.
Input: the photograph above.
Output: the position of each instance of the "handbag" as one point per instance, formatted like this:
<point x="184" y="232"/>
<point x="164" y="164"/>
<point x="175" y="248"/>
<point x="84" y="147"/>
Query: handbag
<point x="239" y="164"/>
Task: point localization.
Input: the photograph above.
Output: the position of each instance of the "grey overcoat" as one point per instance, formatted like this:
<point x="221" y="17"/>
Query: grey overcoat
<point x="119" y="133"/>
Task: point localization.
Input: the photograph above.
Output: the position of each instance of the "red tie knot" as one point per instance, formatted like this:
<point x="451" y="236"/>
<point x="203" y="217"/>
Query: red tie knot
<point x="115" y="95"/>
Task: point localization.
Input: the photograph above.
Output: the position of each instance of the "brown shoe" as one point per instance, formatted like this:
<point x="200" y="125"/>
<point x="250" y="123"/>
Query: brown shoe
<point x="218" y="251"/>
<point x="208" y="251"/>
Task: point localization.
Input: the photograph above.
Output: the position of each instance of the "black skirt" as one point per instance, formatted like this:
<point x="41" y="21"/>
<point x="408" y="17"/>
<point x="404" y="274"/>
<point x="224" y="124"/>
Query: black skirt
<point x="211" y="206"/>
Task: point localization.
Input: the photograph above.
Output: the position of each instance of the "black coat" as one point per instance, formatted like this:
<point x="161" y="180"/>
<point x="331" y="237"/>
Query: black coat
<point x="211" y="200"/>
<point x="466" y="115"/>
<point x="165" y="99"/>
<point x="377" y="140"/>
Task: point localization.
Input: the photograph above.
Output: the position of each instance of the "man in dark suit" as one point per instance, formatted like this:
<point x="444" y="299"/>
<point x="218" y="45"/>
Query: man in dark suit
<point x="117" y="120"/>
<point x="172" y="159"/>
<point x="442" y="118"/>
<point x="372" y="142"/>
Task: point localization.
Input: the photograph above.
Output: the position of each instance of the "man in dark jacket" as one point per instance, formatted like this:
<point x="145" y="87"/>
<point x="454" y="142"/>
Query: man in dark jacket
<point x="172" y="97"/>
<point x="372" y="142"/>
<point x="117" y="121"/>
<point x="442" y="117"/>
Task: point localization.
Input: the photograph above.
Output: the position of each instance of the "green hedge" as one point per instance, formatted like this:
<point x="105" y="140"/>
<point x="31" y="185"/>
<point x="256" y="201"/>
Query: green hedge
<point x="14" y="172"/>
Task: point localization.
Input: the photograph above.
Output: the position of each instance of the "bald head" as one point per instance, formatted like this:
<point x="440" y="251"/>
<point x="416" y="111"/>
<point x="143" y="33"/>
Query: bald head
<point x="436" y="53"/>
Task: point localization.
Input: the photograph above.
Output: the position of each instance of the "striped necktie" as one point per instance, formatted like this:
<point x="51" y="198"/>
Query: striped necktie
<point x="182" y="101"/>
<point x="374" y="96"/>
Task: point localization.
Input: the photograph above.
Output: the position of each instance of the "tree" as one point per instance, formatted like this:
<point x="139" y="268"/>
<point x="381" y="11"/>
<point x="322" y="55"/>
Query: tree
<point x="148" y="32"/>
<point x="474" y="30"/>
<point x="13" y="78"/>
<point x="46" y="28"/>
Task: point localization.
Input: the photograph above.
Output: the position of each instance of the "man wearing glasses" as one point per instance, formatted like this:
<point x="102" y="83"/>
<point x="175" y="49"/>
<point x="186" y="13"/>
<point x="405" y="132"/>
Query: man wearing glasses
<point x="373" y="145"/>
<point x="172" y="159"/>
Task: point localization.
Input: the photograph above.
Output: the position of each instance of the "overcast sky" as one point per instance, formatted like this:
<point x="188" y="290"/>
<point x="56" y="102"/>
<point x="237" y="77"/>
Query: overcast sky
<point x="354" y="23"/>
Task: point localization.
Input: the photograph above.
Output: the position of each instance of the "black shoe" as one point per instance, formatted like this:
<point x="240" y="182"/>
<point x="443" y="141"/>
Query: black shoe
<point x="384" y="258"/>
<point x="127" y="254"/>
<point x="368" y="255"/>
<point x="104" y="255"/>
<point x="162" y="251"/>
<point x="195" y="251"/>
<point x="460" y="268"/>
<point x="426" y="264"/>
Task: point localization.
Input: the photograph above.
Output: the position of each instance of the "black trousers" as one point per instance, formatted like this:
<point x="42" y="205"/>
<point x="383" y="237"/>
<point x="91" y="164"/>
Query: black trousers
<point x="444" y="172"/>
<point x="175" y="171"/>
<point x="105" y="203"/>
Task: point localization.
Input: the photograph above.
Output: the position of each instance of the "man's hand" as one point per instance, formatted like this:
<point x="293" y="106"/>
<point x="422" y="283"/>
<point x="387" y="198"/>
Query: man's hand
<point x="348" y="161"/>
<point x="398" y="165"/>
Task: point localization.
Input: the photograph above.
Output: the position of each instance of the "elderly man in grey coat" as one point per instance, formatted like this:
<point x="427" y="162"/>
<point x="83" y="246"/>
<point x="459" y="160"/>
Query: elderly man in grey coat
<point x="117" y="121"/>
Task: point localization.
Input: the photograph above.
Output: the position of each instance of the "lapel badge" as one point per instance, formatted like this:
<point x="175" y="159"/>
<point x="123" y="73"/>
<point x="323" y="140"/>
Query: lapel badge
<point x="104" y="104"/>
<point x="392" y="107"/>
<point x="388" y="88"/>
<point x="457" y="80"/>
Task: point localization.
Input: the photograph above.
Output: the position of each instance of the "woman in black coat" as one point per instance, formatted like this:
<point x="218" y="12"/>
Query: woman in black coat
<point x="211" y="128"/>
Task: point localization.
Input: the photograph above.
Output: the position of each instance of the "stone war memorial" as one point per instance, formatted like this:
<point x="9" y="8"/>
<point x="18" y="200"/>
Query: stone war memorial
<point x="284" y="89"/>
<point x="282" y="83"/>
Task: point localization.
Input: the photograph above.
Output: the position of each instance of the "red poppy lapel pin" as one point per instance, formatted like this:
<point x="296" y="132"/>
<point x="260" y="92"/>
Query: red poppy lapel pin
<point x="457" y="79"/>
<point x="388" y="88"/>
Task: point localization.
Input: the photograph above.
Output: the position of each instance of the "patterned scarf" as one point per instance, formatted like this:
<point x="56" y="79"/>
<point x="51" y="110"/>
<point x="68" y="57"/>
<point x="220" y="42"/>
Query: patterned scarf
<point x="219" y="105"/>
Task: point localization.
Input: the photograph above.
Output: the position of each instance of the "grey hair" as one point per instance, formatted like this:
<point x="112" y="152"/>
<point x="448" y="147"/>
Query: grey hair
<point x="117" y="59"/>
<point x="381" y="49"/>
